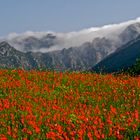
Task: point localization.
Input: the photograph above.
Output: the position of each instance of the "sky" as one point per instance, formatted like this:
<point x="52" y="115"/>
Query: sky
<point x="63" y="15"/>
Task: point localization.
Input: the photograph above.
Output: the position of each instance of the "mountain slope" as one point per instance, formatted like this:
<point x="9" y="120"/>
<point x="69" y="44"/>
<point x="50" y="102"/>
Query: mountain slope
<point x="11" y="57"/>
<point x="123" y="58"/>
<point x="74" y="58"/>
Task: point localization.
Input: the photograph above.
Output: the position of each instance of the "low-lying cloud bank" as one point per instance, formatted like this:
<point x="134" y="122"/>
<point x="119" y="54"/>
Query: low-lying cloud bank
<point x="50" y="41"/>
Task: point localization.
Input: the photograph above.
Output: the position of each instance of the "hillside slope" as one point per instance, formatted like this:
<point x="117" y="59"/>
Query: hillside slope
<point x="123" y="58"/>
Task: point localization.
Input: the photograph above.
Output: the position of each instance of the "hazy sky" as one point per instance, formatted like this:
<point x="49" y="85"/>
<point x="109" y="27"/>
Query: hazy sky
<point x="63" y="15"/>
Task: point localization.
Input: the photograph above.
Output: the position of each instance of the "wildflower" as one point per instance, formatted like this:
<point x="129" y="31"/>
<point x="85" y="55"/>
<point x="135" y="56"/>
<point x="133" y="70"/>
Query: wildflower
<point x="24" y="129"/>
<point x="89" y="134"/>
<point x="113" y="109"/>
<point x="37" y="129"/>
<point x="110" y="131"/>
<point x="129" y="120"/>
<point x="24" y="139"/>
<point x="103" y="136"/>
<point x="50" y="134"/>
<point x="136" y="115"/>
<point x="3" y="137"/>
<point x="134" y="126"/>
<point x="29" y="132"/>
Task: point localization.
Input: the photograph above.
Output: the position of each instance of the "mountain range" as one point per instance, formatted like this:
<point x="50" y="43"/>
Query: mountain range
<point x="83" y="50"/>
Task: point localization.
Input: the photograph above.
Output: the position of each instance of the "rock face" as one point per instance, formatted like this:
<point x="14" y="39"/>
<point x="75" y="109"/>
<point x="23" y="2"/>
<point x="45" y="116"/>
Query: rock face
<point x="10" y="57"/>
<point x="123" y="58"/>
<point x="82" y="57"/>
<point x="74" y="58"/>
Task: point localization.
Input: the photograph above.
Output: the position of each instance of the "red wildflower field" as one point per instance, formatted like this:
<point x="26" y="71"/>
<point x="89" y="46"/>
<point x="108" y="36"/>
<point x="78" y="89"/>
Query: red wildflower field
<point x="68" y="106"/>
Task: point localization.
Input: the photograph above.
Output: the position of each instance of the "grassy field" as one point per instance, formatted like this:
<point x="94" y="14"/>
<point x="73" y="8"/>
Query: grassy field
<point x="39" y="105"/>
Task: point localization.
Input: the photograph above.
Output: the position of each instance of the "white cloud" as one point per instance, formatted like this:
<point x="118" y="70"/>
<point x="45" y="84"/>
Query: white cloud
<point x="66" y="40"/>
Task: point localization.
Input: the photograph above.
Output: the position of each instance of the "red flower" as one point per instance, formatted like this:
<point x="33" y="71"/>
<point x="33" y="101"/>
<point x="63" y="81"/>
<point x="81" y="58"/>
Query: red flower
<point x="134" y="126"/>
<point x="50" y="134"/>
<point x="97" y="134"/>
<point x="136" y="138"/>
<point x="89" y="134"/>
<point x="109" y="121"/>
<point x="136" y="115"/>
<point x="110" y="131"/>
<point x="58" y="127"/>
<point x="3" y="137"/>
<point x="24" y="139"/>
<point x="37" y="129"/>
<point x="24" y="129"/>
<point x="9" y="132"/>
<point x="113" y="109"/>
<point x="129" y="120"/>
<point x="29" y="132"/>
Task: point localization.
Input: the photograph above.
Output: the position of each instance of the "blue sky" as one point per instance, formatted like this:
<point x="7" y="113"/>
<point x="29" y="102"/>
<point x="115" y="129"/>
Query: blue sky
<point x="63" y="15"/>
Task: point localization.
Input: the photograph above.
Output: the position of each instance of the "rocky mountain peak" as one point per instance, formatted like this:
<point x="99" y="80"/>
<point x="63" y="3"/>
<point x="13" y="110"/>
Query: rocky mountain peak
<point x="4" y="44"/>
<point x="5" y="49"/>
